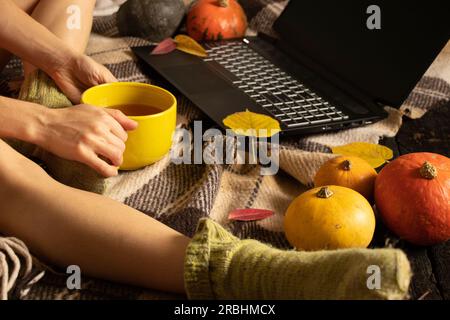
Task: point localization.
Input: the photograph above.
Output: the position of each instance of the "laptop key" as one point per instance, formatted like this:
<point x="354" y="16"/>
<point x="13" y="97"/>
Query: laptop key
<point x="283" y="97"/>
<point x="299" y="118"/>
<point x="314" y="112"/>
<point x="297" y="124"/>
<point x="324" y="120"/>
<point x="269" y="96"/>
<point x="285" y="108"/>
<point x="344" y="116"/>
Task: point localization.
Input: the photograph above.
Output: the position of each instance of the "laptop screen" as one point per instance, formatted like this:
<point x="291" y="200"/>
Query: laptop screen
<point x="381" y="52"/>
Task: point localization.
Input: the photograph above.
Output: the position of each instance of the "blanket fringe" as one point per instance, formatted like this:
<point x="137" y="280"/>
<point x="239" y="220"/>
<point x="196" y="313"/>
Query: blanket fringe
<point x="16" y="272"/>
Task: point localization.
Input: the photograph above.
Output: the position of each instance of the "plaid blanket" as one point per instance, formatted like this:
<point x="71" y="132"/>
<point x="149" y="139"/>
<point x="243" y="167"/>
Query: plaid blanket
<point x="179" y="195"/>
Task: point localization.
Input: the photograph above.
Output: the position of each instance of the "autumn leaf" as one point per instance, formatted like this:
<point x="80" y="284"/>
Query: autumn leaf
<point x="375" y="154"/>
<point x="165" y="46"/>
<point x="252" y="124"/>
<point x="249" y="214"/>
<point x="189" y="45"/>
<point x="182" y="43"/>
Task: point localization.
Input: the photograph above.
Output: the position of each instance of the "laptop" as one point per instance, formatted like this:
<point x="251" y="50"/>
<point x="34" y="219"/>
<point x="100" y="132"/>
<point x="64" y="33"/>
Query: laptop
<point x="328" y="68"/>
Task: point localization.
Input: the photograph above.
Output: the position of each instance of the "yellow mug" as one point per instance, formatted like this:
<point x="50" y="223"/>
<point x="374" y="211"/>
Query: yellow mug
<point x="152" y="139"/>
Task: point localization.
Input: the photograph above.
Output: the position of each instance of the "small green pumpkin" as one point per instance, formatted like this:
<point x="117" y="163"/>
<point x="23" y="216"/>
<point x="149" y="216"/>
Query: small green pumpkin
<point x="154" y="20"/>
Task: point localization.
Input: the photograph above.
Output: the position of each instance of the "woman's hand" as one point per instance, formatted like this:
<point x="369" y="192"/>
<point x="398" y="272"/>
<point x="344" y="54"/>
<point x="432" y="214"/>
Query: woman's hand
<point x="91" y="135"/>
<point x="31" y="41"/>
<point x="80" y="73"/>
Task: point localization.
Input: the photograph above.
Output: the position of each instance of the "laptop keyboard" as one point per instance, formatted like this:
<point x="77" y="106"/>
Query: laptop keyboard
<point x="287" y="99"/>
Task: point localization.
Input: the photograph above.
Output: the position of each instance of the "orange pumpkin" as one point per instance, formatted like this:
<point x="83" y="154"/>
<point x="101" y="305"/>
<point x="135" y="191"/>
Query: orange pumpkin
<point x="329" y="217"/>
<point x="347" y="171"/>
<point x="412" y="195"/>
<point x="216" y="20"/>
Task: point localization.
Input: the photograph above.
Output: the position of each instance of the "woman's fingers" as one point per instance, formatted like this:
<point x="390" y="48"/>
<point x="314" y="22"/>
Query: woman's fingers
<point x="107" y="76"/>
<point x="109" y="151"/>
<point x="116" y="128"/>
<point x="126" y="123"/>
<point x="71" y="90"/>
<point x="88" y="156"/>
<point x="101" y="166"/>
<point x="115" y="141"/>
<point x="104" y="137"/>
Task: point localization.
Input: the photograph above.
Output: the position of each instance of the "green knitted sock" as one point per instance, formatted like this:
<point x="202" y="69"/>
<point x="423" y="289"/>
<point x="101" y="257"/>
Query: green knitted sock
<point x="220" y="266"/>
<point x="40" y="88"/>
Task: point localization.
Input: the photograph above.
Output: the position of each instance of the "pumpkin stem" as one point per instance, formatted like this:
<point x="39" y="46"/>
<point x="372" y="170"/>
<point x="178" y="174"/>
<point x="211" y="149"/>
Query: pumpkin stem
<point x="428" y="171"/>
<point x="346" y="165"/>
<point x="223" y="3"/>
<point x="324" y="193"/>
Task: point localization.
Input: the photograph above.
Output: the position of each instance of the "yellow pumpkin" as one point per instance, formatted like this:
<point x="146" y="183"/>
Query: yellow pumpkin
<point x="330" y="217"/>
<point x="348" y="171"/>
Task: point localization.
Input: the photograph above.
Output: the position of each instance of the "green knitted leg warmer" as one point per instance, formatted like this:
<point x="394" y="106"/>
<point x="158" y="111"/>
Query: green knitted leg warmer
<point x="40" y="88"/>
<point x="220" y="266"/>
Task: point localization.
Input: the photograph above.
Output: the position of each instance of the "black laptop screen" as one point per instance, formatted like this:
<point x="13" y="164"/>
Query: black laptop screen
<point x="383" y="63"/>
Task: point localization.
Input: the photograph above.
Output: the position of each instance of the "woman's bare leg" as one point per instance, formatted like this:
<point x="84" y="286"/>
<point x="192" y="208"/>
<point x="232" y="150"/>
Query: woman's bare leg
<point x="54" y="16"/>
<point x="68" y="226"/>
<point x="27" y="6"/>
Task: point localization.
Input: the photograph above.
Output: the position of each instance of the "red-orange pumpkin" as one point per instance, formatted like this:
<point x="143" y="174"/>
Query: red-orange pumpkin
<point x="412" y="195"/>
<point x="216" y="20"/>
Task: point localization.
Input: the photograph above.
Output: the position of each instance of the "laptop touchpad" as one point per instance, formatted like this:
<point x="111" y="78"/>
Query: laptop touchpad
<point x="195" y="78"/>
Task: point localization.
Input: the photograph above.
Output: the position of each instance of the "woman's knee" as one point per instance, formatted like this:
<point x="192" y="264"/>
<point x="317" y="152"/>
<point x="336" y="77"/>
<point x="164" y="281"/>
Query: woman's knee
<point x="15" y="169"/>
<point x="27" y="5"/>
<point x="7" y="159"/>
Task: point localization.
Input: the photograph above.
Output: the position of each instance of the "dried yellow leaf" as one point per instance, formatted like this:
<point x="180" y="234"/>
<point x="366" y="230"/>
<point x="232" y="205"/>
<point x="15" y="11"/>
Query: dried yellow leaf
<point x="252" y="124"/>
<point x="189" y="45"/>
<point x="375" y="154"/>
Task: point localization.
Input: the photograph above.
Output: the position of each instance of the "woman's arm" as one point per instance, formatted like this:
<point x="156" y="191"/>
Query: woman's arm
<point x="72" y="71"/>
<point x="20" y="119"/>
<point x="22" y="35"/>
<point x="82" y="133"/>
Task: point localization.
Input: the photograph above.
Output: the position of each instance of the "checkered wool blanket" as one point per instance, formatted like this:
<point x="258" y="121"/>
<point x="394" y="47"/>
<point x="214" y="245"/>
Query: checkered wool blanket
<point x="179" y="195"/>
